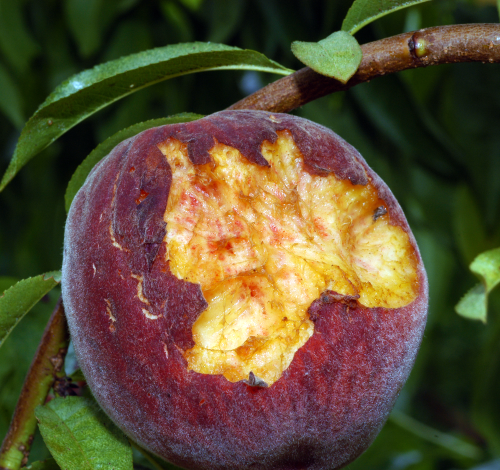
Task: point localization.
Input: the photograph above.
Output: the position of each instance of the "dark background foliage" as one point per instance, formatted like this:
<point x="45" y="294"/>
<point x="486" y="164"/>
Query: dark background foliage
<point x="432" y="134"/>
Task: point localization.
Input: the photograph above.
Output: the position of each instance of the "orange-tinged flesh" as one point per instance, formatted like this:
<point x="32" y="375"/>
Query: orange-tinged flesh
<point x="264" y="243"/>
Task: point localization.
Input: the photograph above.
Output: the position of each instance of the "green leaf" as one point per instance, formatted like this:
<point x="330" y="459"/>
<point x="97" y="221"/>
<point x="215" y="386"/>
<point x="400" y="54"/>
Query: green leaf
<point x="91" y="90"/>
<point x="474" y="304"/>
<point x="19" y="299"/>
<point x="10" y="99"/>
<point x="81" y="437"/>
<point x="487" y="267"/>
<point x="363" y="12"/>
<point x="103" y="149"/>
<point x="337" y="56"/>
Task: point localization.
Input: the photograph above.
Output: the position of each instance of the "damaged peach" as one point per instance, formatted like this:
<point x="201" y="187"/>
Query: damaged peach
<point x="252" y="263"/>
<point x="264" y="242"/>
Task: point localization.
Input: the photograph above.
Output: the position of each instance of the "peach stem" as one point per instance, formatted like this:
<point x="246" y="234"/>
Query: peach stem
<point x="431" y="46"/>
<point x="45" y="368"/>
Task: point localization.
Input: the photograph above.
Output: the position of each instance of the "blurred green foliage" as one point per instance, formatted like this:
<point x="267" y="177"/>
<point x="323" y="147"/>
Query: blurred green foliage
<point x="432" y="134"/>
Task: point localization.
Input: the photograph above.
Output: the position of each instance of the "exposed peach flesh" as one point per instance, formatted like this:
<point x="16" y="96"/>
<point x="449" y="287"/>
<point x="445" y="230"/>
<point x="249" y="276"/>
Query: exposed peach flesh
<point x="265" y="242"/>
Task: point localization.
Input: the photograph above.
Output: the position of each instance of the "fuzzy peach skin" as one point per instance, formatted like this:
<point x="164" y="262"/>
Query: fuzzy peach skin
<point x="149" y="260"/>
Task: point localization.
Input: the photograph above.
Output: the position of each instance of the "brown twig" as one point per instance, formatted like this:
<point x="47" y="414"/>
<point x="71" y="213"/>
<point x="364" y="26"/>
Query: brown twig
<point x="432" y="46"/>
<point x="45" y="368"/>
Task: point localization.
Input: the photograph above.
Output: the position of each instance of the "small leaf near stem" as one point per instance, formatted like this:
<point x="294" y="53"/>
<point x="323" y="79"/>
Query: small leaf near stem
<point x="337" y="56"/>
<point x="46" y="366"/>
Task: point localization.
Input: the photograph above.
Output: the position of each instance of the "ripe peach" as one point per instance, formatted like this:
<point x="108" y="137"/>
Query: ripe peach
<point x="243" y="291"/>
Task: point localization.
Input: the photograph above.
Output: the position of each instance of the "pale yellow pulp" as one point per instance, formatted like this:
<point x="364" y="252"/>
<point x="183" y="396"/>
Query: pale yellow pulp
<point x="264" y="243"/>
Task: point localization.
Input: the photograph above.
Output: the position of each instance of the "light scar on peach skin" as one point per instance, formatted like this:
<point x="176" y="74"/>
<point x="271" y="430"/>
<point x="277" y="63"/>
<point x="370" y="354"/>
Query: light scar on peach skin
<point x="138" y="278"/>
<point x="111" y="231"/>
<point x="112" y="318"/>
<point x="264" y="243"/>
<point x="142" y="298"/>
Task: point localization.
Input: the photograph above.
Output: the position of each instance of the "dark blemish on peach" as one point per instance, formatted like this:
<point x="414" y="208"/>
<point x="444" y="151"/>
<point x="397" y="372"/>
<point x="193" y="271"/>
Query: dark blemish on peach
<point x="330" y="296"/>
<point x="254" y="381"/>
<point x="379" y="212"/>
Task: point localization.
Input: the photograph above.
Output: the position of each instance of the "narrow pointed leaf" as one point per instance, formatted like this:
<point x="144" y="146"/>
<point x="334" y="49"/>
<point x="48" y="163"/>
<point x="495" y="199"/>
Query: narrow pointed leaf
<point x="81" y="437"/>
<point x="363" y="12"/>
<point x="81" y="173"/>
<point x="337" y="56"/>
<point x="91" y="90"/>
<point x="19" y="299"/>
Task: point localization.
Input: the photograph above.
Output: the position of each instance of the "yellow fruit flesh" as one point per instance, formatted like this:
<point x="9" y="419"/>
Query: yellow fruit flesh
<point x="264" y="243"/>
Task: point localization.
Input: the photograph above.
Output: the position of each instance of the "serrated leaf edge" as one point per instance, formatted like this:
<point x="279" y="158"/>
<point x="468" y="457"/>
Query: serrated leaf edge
<point x="56" y="275"/>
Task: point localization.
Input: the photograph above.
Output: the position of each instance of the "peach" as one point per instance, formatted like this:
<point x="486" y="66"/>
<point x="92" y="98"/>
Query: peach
<point x="243" y="291"/>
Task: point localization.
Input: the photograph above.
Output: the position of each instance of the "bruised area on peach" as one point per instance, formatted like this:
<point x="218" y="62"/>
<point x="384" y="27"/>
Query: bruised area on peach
<point x="329" y="403"/>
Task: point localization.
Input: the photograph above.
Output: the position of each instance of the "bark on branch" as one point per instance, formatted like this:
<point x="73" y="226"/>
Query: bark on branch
<point x="432" y="46"/>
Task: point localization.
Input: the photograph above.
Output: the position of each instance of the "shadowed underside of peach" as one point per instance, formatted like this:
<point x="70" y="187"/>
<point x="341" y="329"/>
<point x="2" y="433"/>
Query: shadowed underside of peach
<point x="264" y="242"/>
